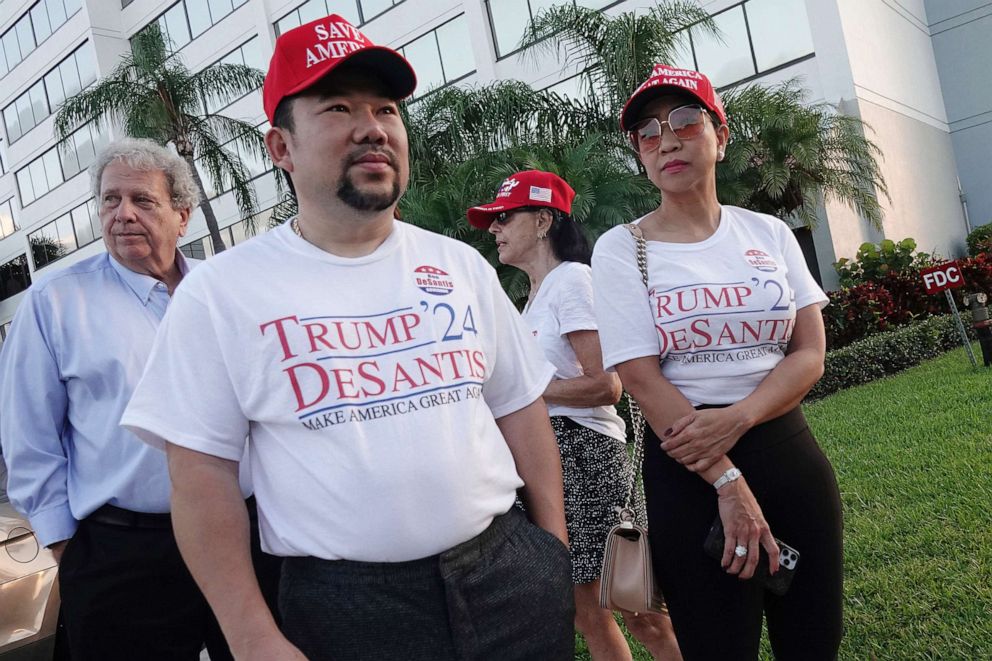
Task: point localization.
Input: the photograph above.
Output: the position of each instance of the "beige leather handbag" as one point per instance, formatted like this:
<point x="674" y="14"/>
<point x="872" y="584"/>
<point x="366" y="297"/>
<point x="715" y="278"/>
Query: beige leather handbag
<point x="627" y="578"/>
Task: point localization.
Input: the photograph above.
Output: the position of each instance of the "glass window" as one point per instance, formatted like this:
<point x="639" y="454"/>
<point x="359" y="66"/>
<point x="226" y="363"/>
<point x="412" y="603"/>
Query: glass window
<point x="38" y="177"/>
<point x="779" y="31"/>
<point x="39" y="17"/>
<point x="70" y="160"/>
<point x="59" y="11"/>
<point x="3" y="61"/>
<point x="510" y="18"/>
<point x="728" y="60"/>
<point x="456" y="48"/>
<point x="10" y="121"/>
<point x="82" y="225"/>
<point x="288" y="22"/>
<point x="39" y="104"/>
<point x="86" y="64"/>
<point x="70" y="78"/>
<point x="53" y="85"/>
<point x="25" y="186"/>
<point x="219" y="9"/>
<point x="24" y="113"/>
<point x="315" y="9"/>
<point x="199" y="17"/>
<point x="426" y="61"/>
<point x="85" y="147"/>
<point x="25" y="36"/>
<point x="11" y="49"/>
<point x="7" y="225"/>
<point x="14" y="276"/>
<point x="253" y="55"/>
<point x="372" y="8"/>
<point x="53" y="169"/>
<point x="67" y="237"/>
<point x="176" y="26"/>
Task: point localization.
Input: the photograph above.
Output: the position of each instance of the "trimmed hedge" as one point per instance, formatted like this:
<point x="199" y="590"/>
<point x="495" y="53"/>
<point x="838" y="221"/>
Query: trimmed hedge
<point x="887" y="353"/>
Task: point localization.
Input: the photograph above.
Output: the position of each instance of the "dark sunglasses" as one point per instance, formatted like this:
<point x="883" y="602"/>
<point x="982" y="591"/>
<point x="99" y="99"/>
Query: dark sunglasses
<point x="506" y="216"/>
<point x="686" y="122"/>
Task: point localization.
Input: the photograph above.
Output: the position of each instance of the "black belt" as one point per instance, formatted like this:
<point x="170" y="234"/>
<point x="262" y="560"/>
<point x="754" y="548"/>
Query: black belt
<point x="117" y="516"/>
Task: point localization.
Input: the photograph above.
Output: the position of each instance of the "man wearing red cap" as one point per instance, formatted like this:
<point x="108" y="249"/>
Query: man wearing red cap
<point x="392" y="396"/>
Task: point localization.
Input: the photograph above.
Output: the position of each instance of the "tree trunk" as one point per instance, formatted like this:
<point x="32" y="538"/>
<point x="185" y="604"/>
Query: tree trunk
<point x="208" y="210"/>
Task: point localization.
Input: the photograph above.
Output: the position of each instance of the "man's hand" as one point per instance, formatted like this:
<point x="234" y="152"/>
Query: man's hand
<point x="57" y="549"/>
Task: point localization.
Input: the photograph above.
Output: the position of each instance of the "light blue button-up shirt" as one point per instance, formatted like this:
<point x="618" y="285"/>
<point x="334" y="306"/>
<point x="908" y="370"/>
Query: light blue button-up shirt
<point x="75" y="352"/>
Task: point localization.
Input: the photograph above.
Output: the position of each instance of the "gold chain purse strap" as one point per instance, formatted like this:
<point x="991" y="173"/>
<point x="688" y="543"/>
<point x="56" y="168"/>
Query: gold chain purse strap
<point x="636" y="417"/>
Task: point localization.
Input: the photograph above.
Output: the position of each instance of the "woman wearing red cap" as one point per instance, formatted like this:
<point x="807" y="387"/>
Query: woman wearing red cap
<point x="531" y="223"/>
<point x="719" y="346"/>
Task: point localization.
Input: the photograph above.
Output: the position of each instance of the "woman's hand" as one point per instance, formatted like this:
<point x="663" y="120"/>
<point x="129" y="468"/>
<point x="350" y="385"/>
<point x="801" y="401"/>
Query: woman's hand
<point x="744" y="525"/>
<point x="699" y="439"/>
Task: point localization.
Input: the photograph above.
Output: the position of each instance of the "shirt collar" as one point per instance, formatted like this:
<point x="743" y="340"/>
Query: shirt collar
<point x="141" y="284"/>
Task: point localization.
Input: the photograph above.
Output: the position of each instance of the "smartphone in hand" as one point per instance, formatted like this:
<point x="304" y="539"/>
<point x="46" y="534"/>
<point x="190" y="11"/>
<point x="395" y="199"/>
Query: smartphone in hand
<point x="788" y="559"/>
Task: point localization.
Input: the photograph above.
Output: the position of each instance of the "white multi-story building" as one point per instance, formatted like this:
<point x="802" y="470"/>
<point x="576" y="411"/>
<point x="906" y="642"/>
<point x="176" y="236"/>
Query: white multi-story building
<point x="915" y="70"/>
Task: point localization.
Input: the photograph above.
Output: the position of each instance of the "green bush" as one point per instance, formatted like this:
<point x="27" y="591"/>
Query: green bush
<point x="980" y="239"/>
<point x="887" y="353"/>
<point x="874" y="262"/>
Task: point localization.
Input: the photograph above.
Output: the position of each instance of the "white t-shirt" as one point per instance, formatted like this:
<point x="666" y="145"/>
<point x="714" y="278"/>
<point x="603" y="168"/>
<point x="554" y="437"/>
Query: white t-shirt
<point x="563" y="305"/>
<point x="369" y="386"/>
<point x="719" y="312"/>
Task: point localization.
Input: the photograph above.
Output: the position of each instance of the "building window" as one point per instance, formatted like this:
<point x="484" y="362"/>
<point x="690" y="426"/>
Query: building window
<point x="14" y="277"/>
<point x="250" y="55"/>
<point x="68" y="78"/>
<point x="757" y="36"/>
<point x="60" y="163"/>
<point x="32" y="28"/>
<point x="7" y="224"/>
<point x="233" y="234"/>
<point x="4" y="331"/>
<point x="779" y="31"/>
<point x="727" y="58"/>
<point x="356" y="12"/>
<point x="255" y="164"/>
<point x="65" y="235"/>
<point x="441" y="56"/>
<point x="185" y="21"/>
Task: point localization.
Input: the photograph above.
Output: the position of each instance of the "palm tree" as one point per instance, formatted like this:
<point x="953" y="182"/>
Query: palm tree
<point x="152" y="94"/>
<point x="784" y="156"/>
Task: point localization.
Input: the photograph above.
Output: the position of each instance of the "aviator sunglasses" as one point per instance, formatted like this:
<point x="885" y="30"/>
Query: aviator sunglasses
<point x="686" y="123"/>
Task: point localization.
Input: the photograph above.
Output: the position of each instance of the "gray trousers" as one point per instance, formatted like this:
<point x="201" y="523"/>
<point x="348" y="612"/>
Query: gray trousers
<point x="505" y="594"/>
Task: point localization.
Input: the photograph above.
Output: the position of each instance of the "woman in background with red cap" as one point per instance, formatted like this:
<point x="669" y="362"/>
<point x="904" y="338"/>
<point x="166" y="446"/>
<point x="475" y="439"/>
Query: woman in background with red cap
<point x="531" y="223"/>
<point x="719" y="350"/>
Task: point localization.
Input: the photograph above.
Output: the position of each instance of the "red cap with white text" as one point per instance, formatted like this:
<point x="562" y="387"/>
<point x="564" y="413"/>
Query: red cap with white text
<point x="666" y="78"/>
<point x="530" y="188"/>
<point x="306" y="54"/>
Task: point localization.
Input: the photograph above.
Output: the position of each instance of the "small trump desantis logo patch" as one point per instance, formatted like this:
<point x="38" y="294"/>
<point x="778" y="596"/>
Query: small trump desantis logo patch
<point x="432" y="280"/>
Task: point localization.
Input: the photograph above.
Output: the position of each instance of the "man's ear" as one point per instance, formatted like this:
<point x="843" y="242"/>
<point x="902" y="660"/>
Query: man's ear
<point x="278" y="142"/>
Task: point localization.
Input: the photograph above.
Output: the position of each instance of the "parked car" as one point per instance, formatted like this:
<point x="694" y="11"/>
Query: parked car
<point x="29" y="591"/>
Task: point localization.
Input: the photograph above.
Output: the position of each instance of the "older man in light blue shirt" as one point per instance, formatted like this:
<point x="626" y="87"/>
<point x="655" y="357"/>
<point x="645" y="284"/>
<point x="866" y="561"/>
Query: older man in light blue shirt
<point x="97" y="496"/>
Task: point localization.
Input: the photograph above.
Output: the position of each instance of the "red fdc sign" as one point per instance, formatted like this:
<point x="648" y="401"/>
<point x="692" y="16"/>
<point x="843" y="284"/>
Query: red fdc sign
<point x="945" y="276"/>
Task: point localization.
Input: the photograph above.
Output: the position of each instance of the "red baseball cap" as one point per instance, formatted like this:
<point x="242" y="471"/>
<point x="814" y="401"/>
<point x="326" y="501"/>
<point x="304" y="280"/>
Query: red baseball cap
<point x="665" y="78"/>
<point x="530" y="188"/>
<point x="306" y="54"/>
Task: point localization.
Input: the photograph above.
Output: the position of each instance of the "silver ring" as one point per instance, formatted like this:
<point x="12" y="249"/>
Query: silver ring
<point x="740" y="551"/>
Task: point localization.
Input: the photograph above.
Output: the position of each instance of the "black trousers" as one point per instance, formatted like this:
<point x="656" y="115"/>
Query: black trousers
<point x="718" y="616"/>
<point x="127" y="595"/>
<point x="505" y="594"/>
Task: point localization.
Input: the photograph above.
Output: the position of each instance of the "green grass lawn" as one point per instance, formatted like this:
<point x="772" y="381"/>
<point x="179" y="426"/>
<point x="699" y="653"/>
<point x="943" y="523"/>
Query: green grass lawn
<point x="913" y="455"/>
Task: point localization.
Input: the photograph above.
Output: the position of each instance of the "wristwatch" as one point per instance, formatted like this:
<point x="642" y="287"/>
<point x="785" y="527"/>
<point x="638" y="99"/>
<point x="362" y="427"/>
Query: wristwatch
<point x="729" y="476"/>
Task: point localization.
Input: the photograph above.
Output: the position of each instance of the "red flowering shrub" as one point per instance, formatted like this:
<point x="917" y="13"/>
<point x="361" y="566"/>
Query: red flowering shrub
<point x="895" y="298"/>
